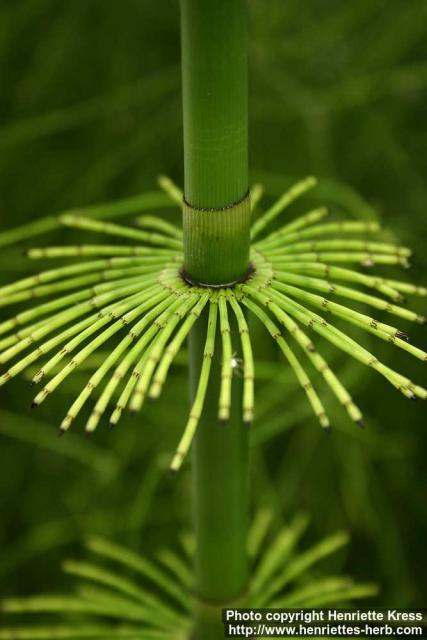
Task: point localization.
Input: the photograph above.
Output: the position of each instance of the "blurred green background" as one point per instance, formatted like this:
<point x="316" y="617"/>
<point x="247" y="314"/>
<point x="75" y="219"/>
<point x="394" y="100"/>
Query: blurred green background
<point x="90" y="111"/>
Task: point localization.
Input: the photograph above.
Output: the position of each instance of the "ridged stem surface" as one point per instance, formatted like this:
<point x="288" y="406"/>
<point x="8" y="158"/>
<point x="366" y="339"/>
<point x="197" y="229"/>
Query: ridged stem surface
<point x="215" y="87"/>
<point x="215" y="108"/>
<point x="216" y="251"/>
<point x="220" y="493"/>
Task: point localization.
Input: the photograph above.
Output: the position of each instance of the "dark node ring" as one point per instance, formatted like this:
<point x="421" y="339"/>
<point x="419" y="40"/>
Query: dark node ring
<point x="226" y="285"/>
<point x="217" y="209"/>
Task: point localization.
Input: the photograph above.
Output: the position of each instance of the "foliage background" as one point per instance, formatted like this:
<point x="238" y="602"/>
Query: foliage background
<point x="90" y="111"/>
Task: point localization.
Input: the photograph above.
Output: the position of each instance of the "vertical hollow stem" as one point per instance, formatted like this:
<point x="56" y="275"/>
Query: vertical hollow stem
<point x="220" y="494"/>
<point x="215" y="106"/>
<point x="216" y="212"/>
<point x="216" y="220"/>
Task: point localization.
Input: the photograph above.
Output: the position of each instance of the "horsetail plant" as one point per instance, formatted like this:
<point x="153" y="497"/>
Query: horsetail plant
<point x="152" y="286"/>
<point x="147" y="300"/>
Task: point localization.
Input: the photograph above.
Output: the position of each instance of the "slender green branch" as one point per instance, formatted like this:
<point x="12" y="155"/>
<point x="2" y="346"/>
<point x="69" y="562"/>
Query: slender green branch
<point x="120" y="231"/>
<point x="227" y="360"/>
<point x="199" y="399"/>
<point x="248" y="361"/>
<point x="283" y="237"/>
<point x="299" y="371"/>
<point x="284" y="201"/>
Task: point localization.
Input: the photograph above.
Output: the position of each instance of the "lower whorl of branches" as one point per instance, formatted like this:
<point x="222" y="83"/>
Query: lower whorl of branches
<point x="135" y="293"/>
<point x="121" y="594"/>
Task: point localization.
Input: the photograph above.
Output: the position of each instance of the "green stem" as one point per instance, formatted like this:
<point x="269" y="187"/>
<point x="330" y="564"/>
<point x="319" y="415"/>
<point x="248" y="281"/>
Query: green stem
<point x="215" y="108"/>
<point x="214" y="76"/>
<point x="216" y="251"/>
<point x="220" y="493"/>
